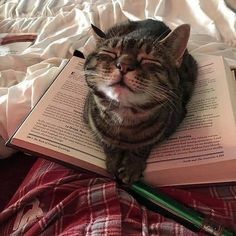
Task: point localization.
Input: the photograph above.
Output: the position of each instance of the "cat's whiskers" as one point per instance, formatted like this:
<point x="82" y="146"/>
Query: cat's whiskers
<point x="167" y="90"/>
<point x="168" y="95"/>
<point x="92" y="73"/>
<point x="160" y="92"/>
<point x="160" y="96"/>
<point x="170" y="102"/>
<point x="99" y="72"/>
<point x="96" y="75"/>
<point x="109" y="106"/>
<point x="94" y="134"/>
<point x="160" y="87"/>
<point x="171" y="96"/>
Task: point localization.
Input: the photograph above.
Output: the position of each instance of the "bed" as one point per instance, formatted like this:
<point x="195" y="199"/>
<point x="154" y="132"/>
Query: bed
<point x="55" y="28"/>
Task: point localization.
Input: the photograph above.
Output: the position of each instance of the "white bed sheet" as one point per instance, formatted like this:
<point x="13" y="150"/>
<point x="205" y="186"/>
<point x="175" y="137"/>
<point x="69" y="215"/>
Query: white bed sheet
<point x="64" y="25"/>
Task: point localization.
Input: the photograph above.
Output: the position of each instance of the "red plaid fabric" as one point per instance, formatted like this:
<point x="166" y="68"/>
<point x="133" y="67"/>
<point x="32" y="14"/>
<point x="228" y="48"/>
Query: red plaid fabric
<point x="55" y="200"/>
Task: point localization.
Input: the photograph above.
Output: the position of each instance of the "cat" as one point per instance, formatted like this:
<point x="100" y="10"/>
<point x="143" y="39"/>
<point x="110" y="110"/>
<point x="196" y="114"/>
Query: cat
<point x="140" y="78"/>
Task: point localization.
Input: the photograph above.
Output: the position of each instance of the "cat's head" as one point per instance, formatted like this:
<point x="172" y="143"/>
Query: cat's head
<point x="133" y="69"/>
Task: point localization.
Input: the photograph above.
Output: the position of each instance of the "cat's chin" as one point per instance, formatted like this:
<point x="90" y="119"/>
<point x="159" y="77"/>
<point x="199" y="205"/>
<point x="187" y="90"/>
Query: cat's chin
<point x="118" y="93"/>
<point x="121" y="91"/>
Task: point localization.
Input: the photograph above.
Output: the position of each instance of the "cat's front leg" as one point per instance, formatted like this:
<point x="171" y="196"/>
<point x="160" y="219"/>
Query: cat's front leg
<point x="127" y="165"/>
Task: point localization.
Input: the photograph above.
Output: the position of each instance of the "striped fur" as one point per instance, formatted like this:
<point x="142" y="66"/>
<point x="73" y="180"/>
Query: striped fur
<point x="140" y="77"/>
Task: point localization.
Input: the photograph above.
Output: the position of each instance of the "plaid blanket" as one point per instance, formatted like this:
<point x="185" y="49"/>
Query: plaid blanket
<point x="55" y="200"/>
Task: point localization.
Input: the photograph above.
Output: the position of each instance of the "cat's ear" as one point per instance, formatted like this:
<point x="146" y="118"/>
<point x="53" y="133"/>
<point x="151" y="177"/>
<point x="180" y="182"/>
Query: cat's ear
<point x="98" y="34"/>
<point x="177" y="41"/>
<point x="79" y="54"/>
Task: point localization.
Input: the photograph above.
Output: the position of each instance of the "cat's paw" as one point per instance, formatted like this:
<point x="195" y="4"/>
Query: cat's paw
<point x="130" y="174"/>
<point x="127" y="165"/>
<point x="127" y="168"/>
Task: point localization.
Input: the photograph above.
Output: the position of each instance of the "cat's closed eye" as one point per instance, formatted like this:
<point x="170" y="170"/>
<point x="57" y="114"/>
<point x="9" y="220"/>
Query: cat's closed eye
<point x="144" y="61"/>
<point x="108" y="53"/>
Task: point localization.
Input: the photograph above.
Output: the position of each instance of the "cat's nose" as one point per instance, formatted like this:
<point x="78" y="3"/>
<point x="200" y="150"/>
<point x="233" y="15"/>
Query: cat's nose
<point x="124" y="68"/>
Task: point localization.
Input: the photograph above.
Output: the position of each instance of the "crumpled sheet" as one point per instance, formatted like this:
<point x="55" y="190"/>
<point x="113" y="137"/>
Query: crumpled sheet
<point x="64" y="25"/>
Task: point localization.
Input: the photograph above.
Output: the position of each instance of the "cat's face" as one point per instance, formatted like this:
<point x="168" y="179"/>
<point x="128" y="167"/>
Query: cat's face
<point x="125" y="72"/>
<point x="133" y="71"/>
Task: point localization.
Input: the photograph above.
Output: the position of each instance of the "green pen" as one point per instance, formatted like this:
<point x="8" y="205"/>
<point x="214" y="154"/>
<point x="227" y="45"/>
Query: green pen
<point x="194" y="218"/>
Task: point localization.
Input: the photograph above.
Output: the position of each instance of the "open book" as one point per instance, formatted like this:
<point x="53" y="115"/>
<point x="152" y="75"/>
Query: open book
<point x="202" y="150"/>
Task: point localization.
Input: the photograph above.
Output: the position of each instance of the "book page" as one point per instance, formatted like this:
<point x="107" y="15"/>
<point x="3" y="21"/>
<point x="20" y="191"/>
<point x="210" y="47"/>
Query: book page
<point x="57" y="123"/>
<point x="208" y="132"/>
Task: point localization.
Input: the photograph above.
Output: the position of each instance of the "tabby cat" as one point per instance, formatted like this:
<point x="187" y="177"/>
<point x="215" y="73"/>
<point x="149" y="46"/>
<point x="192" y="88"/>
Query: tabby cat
<point x="140" y="77"/>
